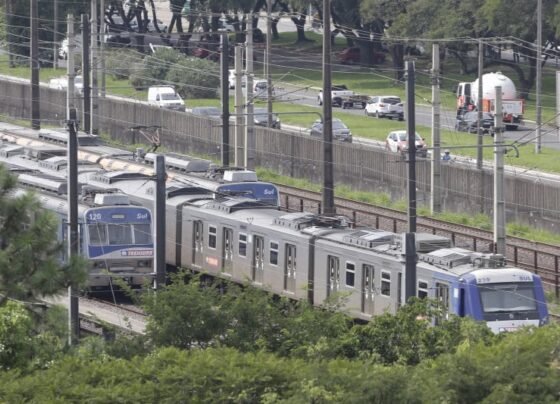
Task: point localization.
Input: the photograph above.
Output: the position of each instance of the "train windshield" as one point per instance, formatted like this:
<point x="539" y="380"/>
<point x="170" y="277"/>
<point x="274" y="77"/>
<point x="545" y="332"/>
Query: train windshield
<point x="119" y="234"/>
<point x="508" y="298"/>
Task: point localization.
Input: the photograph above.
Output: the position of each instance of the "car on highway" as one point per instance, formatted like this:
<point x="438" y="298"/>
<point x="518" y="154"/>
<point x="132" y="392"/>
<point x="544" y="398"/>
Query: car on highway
<point x="231" y="79"/>
<point x="260" y="116"/>
<point x="468" y="122"/>
<point x="341" y="132"/>
<point x="389" y="106"/>
<point x="209" y="112"/>
<point x="397" y="142"/>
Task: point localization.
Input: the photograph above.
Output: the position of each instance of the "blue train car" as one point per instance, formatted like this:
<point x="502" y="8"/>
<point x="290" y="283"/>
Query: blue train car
<point x="115" y="236"/>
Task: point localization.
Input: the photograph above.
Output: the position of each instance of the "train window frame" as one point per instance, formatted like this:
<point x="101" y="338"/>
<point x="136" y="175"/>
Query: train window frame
<point x="385" y="287"/>
<point x="350" y="272"/>
<point x="104" y="241"/>
<point x="422" y="288"/>
<point x="273" y="251"/>
<point x="212" y="236"/>
<point x="242" y="245"/>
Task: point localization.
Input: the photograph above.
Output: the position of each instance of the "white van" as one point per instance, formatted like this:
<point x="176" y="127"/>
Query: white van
<point x="165" y="97"/>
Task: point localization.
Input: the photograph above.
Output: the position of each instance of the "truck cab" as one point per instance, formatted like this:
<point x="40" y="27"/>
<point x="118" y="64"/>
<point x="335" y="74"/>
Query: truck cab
<point x="165" y="97"/>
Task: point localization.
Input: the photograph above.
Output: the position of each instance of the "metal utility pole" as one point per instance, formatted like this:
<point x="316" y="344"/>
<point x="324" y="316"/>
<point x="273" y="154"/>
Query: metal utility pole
<point x="71" y="90"/>
<point x="73" y="238"/>
<point x="35" y="90"/>
<point x="499" y="202"/>
<point x="94" y="126"/>
<point x="239" y="127"/>
<point x="85" y="72"/>
<point x="558" y="103"/>
<point x="411" y="131"/>
<point x="435" y="201"/>
<point x="160" y="222"/>
<point x="102" y="47"/>
<point x="55" y="36"/>
<point x="538" y="139"/>
<point x="267" y="63"/>
<point x="224" y="64"/>
<point x="249" y="119"/>
<point x="328" y="177"/>
<point x="409" y="245"/>
<point x="479" y="139"/>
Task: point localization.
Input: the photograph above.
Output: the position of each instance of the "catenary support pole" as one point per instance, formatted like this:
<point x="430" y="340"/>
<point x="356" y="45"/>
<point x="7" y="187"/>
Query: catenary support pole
<point x="436" y="131"/>
<point x="328" y="208"/>
<point x="55" y="35"/>
<point x="499" y="201"/>
<point x="411" y="134"/>
<point x="479" y="139"/>
<point x="73" y="238"/>
<point x="238" y="101"/>
<point x="71" y="102"/>
<point x="94" y="125"/>
<point x="249" y="119"/>
<point x="160" y="202"/>
<point x="538" y="134"/>
<point x="409" y="245"/>
<point x="102" y="47"/>
<point x="267" y="64"/>
<point x="34" y="60"/>
<point x="224" y="64"/>
<point x="85" y="73"/>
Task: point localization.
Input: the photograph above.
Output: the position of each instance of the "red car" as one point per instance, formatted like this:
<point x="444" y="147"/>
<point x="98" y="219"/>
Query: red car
<point x="352" y="56"/>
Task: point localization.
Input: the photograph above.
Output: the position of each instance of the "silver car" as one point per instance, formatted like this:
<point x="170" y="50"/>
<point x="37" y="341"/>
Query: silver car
<point x="341" y="132"/>
<point x="385" y="106"/>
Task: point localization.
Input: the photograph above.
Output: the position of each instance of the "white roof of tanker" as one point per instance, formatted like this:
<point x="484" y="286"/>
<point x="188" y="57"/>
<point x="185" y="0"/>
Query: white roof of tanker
<point x="492" y="80"/>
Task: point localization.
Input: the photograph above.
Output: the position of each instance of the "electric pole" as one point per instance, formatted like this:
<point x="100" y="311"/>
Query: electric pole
<point x="102" y="47"/>
<point x="159" y="260"/>
<point x="239" y="127"/>
<point x="436" y="128"/>
<point x="499" y="201"/>
<point x="267" y="63"/>
<point x="538" y="139"/>
<point x="70" y="70"/>
<point x="249" y="119"/>
<point x="480" y="134"/>
<point x="35" y="89"/>
<point x="85" y="73"/>
<point x="55" y="36"/>
<point x="224" y="64"/>
<point x="328" y="208"/>
<point x="94" y="126"/>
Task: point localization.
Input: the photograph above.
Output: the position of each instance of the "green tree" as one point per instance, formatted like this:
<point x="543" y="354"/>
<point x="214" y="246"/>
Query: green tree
<point x="29" y="250"/>
<point x="195" y="78"/>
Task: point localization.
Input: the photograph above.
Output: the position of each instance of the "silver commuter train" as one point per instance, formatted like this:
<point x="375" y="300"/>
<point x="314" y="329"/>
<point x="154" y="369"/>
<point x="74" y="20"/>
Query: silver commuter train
<point x="114" y="236"/>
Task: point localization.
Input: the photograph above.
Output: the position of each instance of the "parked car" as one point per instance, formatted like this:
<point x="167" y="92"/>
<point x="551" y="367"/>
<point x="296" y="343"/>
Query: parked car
<point x="210" y="112"/>
<point x="397" y="142"/>
<point x="260" y="115"/>
<point x="389" y="106"/>
<point x="468" y="122"/>
<point x="352" y="56"/>
<point x="340" y="130"/>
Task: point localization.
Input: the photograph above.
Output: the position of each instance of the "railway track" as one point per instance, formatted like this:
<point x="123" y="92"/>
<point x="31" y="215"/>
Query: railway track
<point x="540" y="258"/>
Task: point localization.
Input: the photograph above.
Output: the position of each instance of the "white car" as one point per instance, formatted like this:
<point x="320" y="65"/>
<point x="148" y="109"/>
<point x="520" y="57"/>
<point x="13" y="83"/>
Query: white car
<point x="385" y="106"/>
<point x="231" y="79"/>
<point x="397" y="142"/>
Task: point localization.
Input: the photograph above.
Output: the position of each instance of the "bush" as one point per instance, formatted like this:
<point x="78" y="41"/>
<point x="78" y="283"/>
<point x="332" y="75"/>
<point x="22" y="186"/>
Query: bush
<point x="195" y="78"/>
<point x="120" y="64"/>
<point x="154" y="68"/>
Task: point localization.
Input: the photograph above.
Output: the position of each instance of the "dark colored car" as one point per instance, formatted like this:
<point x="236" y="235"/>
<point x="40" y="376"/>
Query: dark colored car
<point x="260" y="116"/>
<point x="210" y="112"/>
<point x="468" y="122"/>
<point x="340" y="130"/>
<point x="352" y="56"/>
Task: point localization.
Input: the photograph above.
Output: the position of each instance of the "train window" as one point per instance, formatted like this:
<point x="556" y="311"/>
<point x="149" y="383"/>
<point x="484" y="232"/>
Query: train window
<point x="422" y="289"/>
<point x="97" y="234"/>
<point x="350" y="274"/>
<point x="273" y="253"/>
<point x="212" y="236"/>
<point x="385" y="283"/>
<point x="119" y="234"/>
<point x="142" y="233"/>
<point x="242" y="245"/>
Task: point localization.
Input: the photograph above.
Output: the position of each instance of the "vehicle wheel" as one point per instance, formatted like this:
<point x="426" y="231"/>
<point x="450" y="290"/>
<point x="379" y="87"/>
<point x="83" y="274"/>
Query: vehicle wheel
<point x="377" y="114"/>
<point x="363" y="105"/>
<point x="511" y="127"/>
<point x="343" y="105"/>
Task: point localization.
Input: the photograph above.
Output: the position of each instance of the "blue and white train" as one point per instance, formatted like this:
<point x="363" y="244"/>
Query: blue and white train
<point x="115" y="237"/>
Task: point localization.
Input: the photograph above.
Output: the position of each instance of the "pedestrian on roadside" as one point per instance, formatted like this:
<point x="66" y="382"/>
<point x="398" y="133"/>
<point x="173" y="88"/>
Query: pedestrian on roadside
<point x="446" y="156"/>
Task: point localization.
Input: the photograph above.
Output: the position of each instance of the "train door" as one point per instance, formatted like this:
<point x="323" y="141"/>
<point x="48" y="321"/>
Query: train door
<point x="258" y="258"/>
<point x="368" y="278"/>
<point x="198" y="243"/>
<point x="290" y="268"/>
<point x="334" y="274"/>
<point x="442" y="300"/>
<point x="227" y="251"/>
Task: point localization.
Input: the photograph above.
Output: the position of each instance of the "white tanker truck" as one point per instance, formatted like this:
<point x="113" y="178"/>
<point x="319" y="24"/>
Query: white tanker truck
<point x="512" y="107"/>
